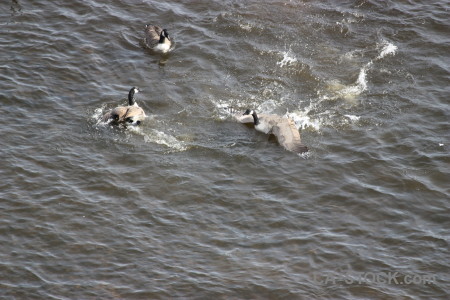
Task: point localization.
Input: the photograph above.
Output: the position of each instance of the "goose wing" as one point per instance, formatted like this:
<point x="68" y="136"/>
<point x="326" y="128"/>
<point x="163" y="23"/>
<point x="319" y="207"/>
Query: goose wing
<point x="115" y="114"/>
<point x="134" y="111"/>
<point x="152" y="34"/>
<point x="288" y="136"/>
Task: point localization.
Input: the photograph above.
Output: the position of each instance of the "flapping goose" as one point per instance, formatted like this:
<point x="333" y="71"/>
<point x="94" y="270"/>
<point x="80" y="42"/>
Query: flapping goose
<point x="157" y="38"/>
<point x="128" y="115"/>
<point x="282" y="128"/>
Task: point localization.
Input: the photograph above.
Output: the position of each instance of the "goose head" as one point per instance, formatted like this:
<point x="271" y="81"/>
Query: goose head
<point x="133" y="91"/>
<point x="253" y="113"/>
<point x="164" y="35"/>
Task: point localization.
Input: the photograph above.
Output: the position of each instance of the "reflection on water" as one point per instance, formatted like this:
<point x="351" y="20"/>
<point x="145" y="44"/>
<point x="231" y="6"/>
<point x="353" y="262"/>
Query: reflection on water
<point x="15" y="7"/>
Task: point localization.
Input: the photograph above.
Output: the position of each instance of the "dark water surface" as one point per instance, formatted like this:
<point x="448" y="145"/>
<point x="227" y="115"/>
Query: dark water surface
<point x="196" y="206"/>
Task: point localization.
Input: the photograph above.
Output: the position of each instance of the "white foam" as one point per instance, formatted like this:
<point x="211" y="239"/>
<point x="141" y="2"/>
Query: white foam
<point x="97" y="113"/>
<point x="228" y="108"/>
<point x="135" y="129"/>
<point x="246" y="27"/>
<point x="362" y="78"/>
<point x="387" y="49"/>
<point x="304" y="155"/>
<point x="353" y="117"/>
<point x="288" y="59"/>
<point x="303" y="121"/>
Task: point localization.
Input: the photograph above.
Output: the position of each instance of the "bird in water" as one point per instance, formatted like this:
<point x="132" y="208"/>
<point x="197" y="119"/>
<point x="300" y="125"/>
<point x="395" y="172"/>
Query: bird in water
<point x="282" y="128"/>
<point x="157" y="39"/>
<point x="127" y="115"/>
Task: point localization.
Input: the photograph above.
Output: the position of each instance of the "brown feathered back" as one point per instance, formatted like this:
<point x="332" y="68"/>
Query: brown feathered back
<point x="152" y="34"/>
<point x="122" y="113"/>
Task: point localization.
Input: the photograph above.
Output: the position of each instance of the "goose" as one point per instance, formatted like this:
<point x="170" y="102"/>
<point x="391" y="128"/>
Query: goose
<point x="157" y="38"/>
<point x="282" y="128"/>
<point x="128" y="115"/>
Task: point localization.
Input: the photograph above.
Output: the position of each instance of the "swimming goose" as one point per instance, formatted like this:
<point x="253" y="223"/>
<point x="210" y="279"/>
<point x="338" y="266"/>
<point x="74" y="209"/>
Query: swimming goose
<point x="128" y="115"/>
<point x="157" y="38"/>
<point x="282" y="128"/>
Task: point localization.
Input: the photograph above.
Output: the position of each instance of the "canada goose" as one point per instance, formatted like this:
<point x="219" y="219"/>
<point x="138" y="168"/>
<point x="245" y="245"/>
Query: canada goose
<point x="282" y="128"/>
<point x="157" y="38"/>
<point x="128" y="115"/>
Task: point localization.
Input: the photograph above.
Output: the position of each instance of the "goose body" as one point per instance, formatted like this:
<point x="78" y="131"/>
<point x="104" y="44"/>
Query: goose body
<point x="157" y="38"/>
<point x="128" y="115"/>
<point x="282" y="128"/>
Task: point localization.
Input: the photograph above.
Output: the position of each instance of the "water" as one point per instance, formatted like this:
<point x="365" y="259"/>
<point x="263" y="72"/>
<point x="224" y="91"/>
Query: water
<point x="193" y="205"/>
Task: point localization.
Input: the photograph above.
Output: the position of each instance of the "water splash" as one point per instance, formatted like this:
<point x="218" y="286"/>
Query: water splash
<point x="387" y="49"/>
<point x="97" y="115"/>
<point x="154" y="136"/>
<point x="287" y="60"/>
<point x="227" y="109"/>
<point x="300" y="117"/>
<point x="351" y="92"/>
<point x="302" y="120"/>
<point x="353" y="117"/>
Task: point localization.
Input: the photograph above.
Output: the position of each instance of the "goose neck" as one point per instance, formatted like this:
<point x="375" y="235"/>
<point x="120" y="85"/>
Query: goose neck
<point x="131" y="98"/>
<point x="255" y="119"/>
